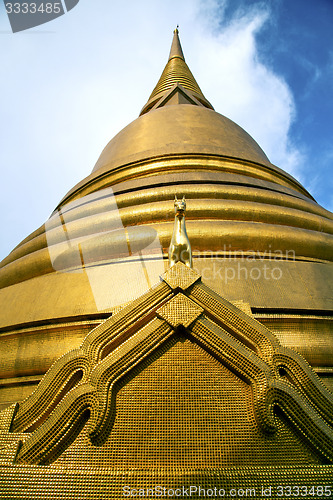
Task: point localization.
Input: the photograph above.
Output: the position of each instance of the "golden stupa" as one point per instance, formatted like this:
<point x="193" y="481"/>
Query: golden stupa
<point x="125" y="371"/>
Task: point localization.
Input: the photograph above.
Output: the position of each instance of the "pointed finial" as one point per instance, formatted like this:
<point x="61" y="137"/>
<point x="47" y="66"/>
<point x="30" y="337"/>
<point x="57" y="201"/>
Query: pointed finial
<point x="176" y="48"/>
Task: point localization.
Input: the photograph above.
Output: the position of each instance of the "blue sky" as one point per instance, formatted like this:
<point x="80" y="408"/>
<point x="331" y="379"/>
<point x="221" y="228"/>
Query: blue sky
<point x="70" y="85"/>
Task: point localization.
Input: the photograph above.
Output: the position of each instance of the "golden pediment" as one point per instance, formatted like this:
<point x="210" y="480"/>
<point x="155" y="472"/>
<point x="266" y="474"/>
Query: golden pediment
<point x="79" y="390"/>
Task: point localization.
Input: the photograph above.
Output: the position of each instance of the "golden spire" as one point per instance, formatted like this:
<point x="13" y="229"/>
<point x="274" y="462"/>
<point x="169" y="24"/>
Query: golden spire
<point x="176" y="48"/>
<point x="180" y="247"/>
<point x="176" y="80"/>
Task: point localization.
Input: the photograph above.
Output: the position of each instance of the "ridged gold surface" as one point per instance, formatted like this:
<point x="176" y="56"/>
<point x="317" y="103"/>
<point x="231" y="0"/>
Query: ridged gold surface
<point x="212" y="236"/>
<point x="179" y="167"/>
<point x="151" y="192"/>
<point x="231" y="209"/>
<point x="176" y="71"/>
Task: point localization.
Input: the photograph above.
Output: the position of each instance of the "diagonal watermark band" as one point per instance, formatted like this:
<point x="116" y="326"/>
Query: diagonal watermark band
<point x="88" y="237"/>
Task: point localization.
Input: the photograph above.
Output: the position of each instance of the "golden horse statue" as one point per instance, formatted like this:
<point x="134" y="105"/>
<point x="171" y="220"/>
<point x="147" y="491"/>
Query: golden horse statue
<point x="180" y="247"/>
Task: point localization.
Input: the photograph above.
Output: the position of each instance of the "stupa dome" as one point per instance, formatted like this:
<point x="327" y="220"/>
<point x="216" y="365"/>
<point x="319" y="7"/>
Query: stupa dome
<point x="183" y="129"/>
<point x="107" y="240"/>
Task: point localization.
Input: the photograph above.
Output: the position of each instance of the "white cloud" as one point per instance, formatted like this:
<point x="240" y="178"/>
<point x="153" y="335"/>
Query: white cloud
<point x="242" y="88"/>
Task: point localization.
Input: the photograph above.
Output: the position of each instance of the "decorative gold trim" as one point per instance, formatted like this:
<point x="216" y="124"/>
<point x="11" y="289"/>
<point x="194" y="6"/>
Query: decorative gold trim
<point x="179" y="311"/>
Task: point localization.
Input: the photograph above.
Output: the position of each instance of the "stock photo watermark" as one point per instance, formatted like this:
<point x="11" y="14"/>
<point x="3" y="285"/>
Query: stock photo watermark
<point x="227" y="265"/>
<point x="24" y="15"/>
<point x="158" y="491"/>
